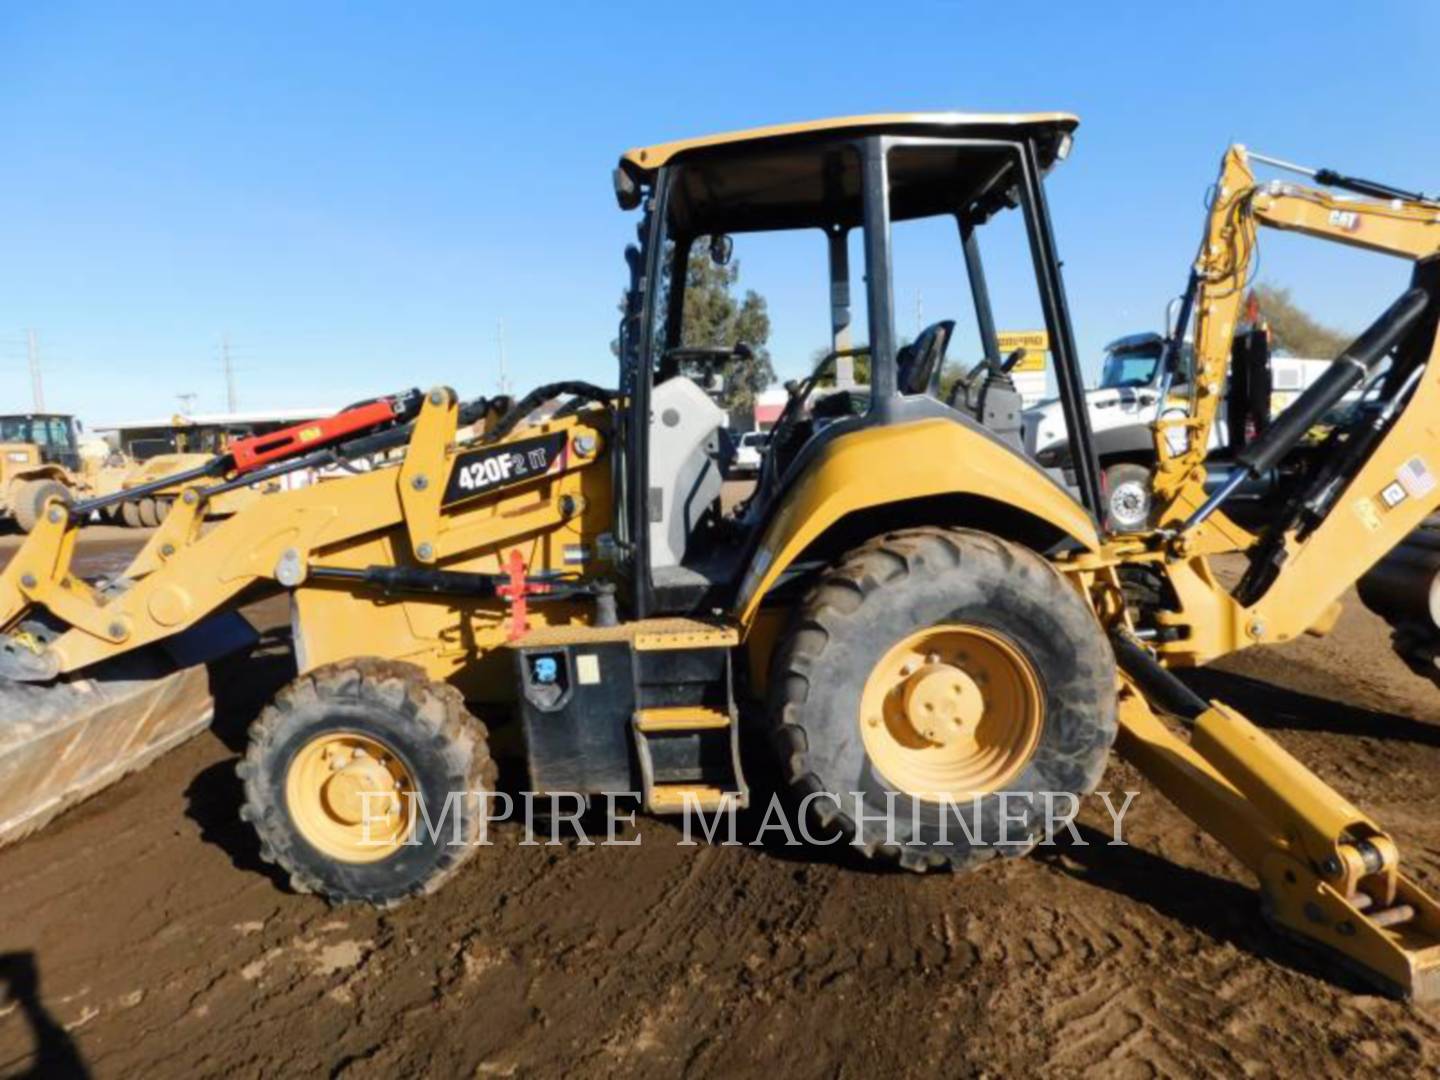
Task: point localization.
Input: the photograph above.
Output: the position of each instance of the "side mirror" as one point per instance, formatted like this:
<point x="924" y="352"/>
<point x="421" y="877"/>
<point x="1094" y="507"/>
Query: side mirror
<point x="627" y="191"/>
<point x="721" y="249"/>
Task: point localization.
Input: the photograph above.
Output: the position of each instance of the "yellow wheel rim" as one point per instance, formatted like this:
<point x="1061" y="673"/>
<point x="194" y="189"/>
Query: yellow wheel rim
<point x="351" y="797"/>
<point x="950" y="712"/>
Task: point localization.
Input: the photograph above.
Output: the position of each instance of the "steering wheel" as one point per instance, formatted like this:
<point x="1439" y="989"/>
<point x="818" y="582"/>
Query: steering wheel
<point x="704" y="355"/>
<point x="917" y="365"/>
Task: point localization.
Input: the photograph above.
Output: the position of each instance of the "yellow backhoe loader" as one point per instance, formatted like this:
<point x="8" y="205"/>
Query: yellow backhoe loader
<point x="914" y="610"/>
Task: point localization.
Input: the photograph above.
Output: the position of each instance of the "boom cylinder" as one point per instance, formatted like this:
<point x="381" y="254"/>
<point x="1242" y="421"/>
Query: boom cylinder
<point x="1352" y="366"/>
<point x="1348" y="370"/>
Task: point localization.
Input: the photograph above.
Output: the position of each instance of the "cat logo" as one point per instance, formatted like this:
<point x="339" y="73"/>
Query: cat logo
<point x="1345" y="220"/>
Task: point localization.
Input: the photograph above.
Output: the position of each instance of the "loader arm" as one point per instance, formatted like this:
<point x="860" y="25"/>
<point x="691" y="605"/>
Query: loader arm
<point x="186" y="573"/>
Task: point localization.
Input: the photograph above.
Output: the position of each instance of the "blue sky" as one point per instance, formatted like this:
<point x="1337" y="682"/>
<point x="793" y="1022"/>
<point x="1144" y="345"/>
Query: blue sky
<point x="357" y="194"/>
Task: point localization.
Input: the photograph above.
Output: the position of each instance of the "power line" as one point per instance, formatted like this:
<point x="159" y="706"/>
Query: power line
<point x="230" y="396"/>
<point x="504" y="380"/>
<point x="37" y="383"/>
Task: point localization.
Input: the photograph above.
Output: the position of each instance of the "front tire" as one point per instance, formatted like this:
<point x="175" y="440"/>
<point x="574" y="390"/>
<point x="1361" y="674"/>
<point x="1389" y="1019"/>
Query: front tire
<point x="31" y="498"/>
<point x="338" y="768"/>
<point x="942" y="664"/>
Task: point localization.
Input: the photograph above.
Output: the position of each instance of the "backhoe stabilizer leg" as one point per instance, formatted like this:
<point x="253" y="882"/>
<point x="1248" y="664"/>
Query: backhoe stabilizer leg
<point x="1329" y="876"/>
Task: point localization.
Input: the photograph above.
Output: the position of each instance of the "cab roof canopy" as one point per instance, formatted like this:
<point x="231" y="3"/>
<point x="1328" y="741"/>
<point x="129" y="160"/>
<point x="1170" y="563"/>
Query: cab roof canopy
<point x="808" y="175"/>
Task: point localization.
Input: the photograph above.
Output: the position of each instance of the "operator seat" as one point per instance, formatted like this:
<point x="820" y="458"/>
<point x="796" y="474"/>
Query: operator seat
<point x="685" y="475"/>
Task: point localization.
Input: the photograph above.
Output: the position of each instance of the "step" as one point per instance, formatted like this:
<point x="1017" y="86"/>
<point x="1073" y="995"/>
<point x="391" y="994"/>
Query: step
<point x="671" y="798"/>
<point x="655" y="635"/>
<point x="680" y="718"/>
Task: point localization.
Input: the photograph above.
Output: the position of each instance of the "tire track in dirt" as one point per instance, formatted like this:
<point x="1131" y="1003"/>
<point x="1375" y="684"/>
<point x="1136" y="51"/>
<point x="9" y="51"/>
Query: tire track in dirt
<point x="166" y="948"/>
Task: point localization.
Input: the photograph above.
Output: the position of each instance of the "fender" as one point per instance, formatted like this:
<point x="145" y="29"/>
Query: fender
<point x="40" y="471"/>
<point x="878" y="466"/>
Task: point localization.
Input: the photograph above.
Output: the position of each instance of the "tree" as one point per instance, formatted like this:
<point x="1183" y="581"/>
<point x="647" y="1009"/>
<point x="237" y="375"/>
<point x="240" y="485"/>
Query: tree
<point x="861" y="368"/>
<point x="714" y="317"/>
<point x="1293" y="330"/>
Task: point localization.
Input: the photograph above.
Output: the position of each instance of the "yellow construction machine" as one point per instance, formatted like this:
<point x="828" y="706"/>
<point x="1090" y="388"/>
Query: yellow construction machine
<point x="175" y="449"/>
<point x="42" y="458"/>
<point x="914" y="611"/>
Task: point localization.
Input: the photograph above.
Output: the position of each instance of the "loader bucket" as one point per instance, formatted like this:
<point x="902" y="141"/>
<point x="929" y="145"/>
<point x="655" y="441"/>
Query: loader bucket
<point x="61" y="743"/>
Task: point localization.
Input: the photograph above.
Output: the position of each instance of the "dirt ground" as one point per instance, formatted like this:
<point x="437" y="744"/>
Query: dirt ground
<point x="141" y="935"/>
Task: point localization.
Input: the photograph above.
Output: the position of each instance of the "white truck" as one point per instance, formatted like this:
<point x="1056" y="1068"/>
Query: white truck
<point x="1124" y="405"/>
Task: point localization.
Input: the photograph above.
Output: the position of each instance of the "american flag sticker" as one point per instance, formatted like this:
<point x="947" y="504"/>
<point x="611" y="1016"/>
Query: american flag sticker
<point x="1415" y="477"/>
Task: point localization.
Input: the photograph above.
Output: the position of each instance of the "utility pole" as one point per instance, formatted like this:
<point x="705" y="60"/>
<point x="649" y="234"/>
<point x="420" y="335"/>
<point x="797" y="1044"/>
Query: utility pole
<point x="230" y="401"/>
<point x="504" y="380"/>
<point x="37" y="384"/>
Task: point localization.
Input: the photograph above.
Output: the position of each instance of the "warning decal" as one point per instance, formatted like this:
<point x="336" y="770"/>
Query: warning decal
<point x="1369" y="516"/>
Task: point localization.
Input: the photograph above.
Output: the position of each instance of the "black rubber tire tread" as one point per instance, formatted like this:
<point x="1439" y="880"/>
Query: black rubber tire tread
<point x="31" y="497"/>
<point x="918" y="566"/>
<point x="416" y="710"/>
<point x="1121" y="473"/>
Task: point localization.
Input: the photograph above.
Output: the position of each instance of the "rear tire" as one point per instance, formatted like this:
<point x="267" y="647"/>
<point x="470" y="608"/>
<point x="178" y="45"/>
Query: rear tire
<point x="426" y="735"/>
<point x="1129" y="500"/>
<point x="31" y="497"/>
<point x="874" y="601"/>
